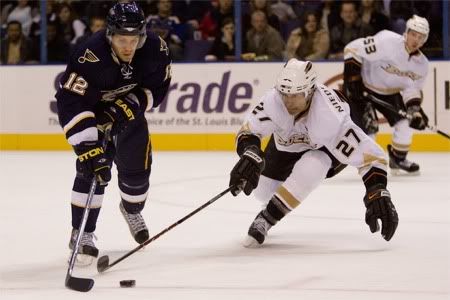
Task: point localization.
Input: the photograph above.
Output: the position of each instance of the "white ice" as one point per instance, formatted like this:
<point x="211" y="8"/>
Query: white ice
<point x="322" y="250"/>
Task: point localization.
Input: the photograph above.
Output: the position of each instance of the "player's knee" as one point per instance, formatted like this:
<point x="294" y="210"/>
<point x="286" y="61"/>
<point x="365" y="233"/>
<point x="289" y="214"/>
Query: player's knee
<point x="134" y="187"/>
<point x="310" y="171"/>
<point x="266" y="188"/>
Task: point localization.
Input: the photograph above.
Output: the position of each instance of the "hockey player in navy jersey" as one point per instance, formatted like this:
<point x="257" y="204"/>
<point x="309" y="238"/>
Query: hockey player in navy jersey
<point x="312" y="137"/>
<point x="387" y="72"/>
<point x="112" y="79"/>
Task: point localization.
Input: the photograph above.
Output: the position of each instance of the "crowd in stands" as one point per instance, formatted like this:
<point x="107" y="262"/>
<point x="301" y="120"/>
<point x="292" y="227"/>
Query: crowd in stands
<point x="272" y="30"/>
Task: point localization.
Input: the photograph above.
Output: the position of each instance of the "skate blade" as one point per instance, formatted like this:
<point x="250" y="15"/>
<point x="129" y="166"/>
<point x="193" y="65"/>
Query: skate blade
<point x="250" y="242"/>
<point x="82" y="260"/>
<point x="399" y="172"/>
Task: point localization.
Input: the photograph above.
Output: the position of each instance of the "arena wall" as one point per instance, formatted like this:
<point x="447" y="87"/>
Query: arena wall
<point x="206" y="105"/>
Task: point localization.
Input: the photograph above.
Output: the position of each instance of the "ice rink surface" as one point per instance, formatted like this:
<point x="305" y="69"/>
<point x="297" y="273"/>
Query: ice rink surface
<point x="322" y="250"/>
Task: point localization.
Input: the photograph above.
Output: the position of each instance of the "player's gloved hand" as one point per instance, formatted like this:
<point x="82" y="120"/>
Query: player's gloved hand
<point x="120" y="113"/>
<point x="417" y="117"/>
<point x="379" y="206"/>
<point x="245" y="174"/>
<point x="92" y="161"/>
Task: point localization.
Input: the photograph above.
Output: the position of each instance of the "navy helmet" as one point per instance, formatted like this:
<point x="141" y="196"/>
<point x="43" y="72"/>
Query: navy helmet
<point x="126" y="19"/>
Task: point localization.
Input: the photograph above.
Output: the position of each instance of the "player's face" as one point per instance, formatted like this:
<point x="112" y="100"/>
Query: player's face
<point x="125" y="46"/>
<point x="295" y="103"/>
<point x="414" y="40"/>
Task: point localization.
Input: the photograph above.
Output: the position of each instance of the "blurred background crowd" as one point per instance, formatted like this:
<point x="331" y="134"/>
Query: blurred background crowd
<point x="219" y="30"/>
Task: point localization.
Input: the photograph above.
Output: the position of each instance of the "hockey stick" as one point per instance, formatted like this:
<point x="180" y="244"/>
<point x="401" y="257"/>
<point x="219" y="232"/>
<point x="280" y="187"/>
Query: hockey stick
<point x="401" y="113"/>
<point x="103" y="262"/>
<point x="72" y="282"/>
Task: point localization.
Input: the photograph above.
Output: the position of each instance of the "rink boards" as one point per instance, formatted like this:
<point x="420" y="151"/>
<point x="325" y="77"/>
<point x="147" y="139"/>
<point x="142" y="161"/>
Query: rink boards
<point x="205" y="106"/>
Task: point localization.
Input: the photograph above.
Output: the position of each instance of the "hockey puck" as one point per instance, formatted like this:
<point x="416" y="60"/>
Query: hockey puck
<point x="127" y="283"/>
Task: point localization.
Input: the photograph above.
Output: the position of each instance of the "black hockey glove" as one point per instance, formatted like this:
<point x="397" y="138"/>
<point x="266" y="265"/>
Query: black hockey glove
<point x="379" y="206"/>
<point x="417" y="117"/>
<point x="120" y="113"/>
<point x="92" y="161"/>
<point x="245" y="174"/>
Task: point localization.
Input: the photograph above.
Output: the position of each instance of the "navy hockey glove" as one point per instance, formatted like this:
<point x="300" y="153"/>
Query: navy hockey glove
<point x="245" y="174"/>
<point x="417" y="117"/>
<point x="379" y="206"/>
<point x="92" y="161"/>
<point x="120" y="113"/>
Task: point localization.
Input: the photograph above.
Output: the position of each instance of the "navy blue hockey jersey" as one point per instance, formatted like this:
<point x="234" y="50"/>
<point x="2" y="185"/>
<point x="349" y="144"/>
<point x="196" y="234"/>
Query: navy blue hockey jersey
<point x="94" y="75"/>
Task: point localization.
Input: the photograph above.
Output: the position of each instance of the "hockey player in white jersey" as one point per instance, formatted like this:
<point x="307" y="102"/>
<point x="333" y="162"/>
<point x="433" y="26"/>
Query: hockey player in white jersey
<point x="391" y="68"/>
<point x="312" y="137"/>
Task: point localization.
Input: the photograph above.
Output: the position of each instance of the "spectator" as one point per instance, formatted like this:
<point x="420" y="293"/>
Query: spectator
<point x="210" y="23"/>
<point x="346" y="31"/>
<point x="262" y="5"/>
<point x="57" y="46"/>
<point x="22" y="13"/>
<point x="16" y="48"/>
<point x="372" y="16"/>
<point x="310" y="41"/>
<point x="263" y="41"/>
<point x="35" y="30"/>
<point x="283" y="11"/>
<point x="330" y="14"/>
<point x="223" y="47"/>
<point x="69" y="25"/>
<point x="96" y="23"/>
<point x="165" y="25"/>
<point x="399" y="12"/>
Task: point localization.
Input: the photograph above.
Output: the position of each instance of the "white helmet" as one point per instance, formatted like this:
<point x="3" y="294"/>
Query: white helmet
<point x="418" y="24"/>
<point x="297" y="77"/>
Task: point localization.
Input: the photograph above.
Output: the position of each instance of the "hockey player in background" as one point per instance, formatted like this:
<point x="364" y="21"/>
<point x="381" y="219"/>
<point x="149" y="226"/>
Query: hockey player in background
<point x="112" y="79"/>
<point x="391" y="68"/>
<point x="312" y="137"/>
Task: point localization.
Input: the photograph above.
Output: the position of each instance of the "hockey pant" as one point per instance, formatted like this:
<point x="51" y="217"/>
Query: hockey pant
<point x="291" y="177"/>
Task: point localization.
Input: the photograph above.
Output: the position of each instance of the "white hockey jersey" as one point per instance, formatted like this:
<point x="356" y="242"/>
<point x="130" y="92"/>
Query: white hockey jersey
<point x="387" y="68"/>
<point x="327" y="123"/>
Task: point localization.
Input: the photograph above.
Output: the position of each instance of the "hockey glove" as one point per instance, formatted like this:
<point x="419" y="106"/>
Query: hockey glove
<point x="417" y="117"/>
<point x="92" y="161"/>
<point x="120" y="113"/>
<point x="245" y="174"/>
<point x="379" y="206"/>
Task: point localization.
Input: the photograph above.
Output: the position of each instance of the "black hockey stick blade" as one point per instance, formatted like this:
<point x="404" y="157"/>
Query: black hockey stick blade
<point x="103" y="263"/>
<point x="79" y="284"/>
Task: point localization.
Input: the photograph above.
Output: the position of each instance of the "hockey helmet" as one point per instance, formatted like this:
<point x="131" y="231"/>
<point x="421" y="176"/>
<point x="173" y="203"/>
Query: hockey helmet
<point x="297" y="77"/>
<point x="127" y="19"/>
<point x="418" y="24"/>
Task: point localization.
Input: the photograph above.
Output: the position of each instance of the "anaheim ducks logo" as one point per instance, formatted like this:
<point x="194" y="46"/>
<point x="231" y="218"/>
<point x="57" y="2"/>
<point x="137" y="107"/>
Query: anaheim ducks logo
<point x="88" y="56"/>
<point x="394" y="70"/>
<point x="294" y="139"/>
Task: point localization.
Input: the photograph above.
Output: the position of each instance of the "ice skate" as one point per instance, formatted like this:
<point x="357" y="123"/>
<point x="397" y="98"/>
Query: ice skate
<point x="400" y="165"/>
<point x="87" y="251"/>
<point x="136" y="224"/>
<point x="257" y="232"/>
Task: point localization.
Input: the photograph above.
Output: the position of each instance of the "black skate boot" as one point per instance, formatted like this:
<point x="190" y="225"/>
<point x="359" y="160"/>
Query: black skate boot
<point x="257" y="231"/>
<point x="87" y="251"/>
<point x="137" y="226"/>
<point x="399" y="163"/>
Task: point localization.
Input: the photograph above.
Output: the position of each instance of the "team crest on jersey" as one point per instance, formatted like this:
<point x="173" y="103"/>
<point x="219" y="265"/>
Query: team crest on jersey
<point x="114" y="94"/>
<point x="88" y="56"/>
<point x="294" y="139"/>
<point x="394" y="70"/>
